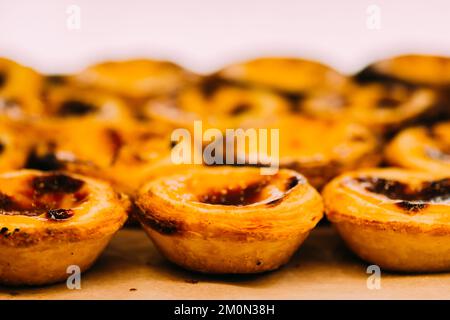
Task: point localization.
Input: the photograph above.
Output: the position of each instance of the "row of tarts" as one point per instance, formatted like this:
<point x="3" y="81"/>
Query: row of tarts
<point x="81" y="152"/>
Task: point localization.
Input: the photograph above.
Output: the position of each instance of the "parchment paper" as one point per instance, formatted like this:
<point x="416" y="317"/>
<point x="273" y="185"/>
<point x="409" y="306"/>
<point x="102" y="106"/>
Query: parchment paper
<point x="323" y="268"/>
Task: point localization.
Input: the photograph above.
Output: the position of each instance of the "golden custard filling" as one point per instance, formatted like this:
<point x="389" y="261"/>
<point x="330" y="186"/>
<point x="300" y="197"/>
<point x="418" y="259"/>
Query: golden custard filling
<point x="48" y="197"/>
<point x="264" y="191"/>
<point x="235" y="191"/>
<point x="410" y="197"/>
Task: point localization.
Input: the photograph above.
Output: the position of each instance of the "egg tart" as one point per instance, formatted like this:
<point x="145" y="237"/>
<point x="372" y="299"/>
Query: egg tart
<point x="395" y="218"/>
<point x="319" y="149"/>
<point x="123" y="155"/>
<point x="228" y="219"/>
<point x="219" y="105"/>
<point x="135" y="79"/>
<point x="50" y="221"/>
<point x="65" y="102"/>
<point x="20" y="87"/>
<point x="422" y="148"/>
<point x="292" y="76"/>
<point x="76" y="145"/>
<point x="143" y="155"/>
<point x="383" y="108"/>
<point x="412" y="69"/>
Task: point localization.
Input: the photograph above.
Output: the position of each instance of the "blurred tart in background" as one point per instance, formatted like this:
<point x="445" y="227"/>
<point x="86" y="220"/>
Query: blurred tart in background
<point x="122" y="155"/>
<point x="382" y="108"/>
<point x="135" y="80"/>
<point x="219" y="105"/>
<point x="292" y="76"/>
<point x="422" y="148"/>
<point x="64" y="102"/>
<point x="413" y="69"/>
<point x="321" y="149"/>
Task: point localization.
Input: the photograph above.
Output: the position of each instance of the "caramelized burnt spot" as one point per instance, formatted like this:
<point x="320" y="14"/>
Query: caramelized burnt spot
<point x="7" y="203"/>
<point x="412" y="206"/>
<point x="240" y="108"/>
<point x="210" y="85"/>
<point x="56" y="183"/>
<point x="9" y="206"/>
<point x="291" y="183"/>
<point x="2" y="79"/>
<point x="2" y="147"/>
<point x="388" y="103"/>
<point x="46" y="197"/>
<point x="410" y="199"/>
<point x="116" y="143"/>
<point x="56" y="79"/>
<point x="59" y="214"/>
<point x="46" y="161"/>
<point x="371" y="75"/>
<point x="294" y="98"/>
<point x="75" y="108"/>
<point x="246" y="195"/>
<point x="236" y="196"/>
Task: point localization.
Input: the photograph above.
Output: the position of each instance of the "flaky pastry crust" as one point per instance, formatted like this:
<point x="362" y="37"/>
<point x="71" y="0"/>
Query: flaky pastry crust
<point x="227" y="219"/>
<point x="395" y="218"/>
<point x="50" y="221"/>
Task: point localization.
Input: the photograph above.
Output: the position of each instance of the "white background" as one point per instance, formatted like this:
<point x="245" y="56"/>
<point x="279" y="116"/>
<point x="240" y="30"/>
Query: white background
<point x="205" y="34"/>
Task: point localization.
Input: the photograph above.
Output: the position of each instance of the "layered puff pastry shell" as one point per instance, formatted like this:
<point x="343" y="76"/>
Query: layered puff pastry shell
<point x="229" y="219"/>
<point x="394" y="218"/>
<point x="50" y="221"/>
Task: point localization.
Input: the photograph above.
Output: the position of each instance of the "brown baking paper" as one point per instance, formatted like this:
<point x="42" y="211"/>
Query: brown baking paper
<point x="323" y="268"/>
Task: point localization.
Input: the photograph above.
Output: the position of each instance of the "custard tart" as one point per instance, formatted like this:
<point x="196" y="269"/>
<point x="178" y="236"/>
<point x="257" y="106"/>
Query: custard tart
<point x="135" y="79"/>
<point x="124" y="155"/>
<point x="412" y="69"/>
<point x="20" y="88"/>
<point x="383" y="108"/>
<point x="50" y="221"/>
<point x="66" y="102"/>
<point x="143" y="155"/>
<point x="228" y="219"/>
<point x="219" y="105"/>
<point x="394" y="218"/>
<point x="422" y="148"/>
<point x="292" y="76"/>
<point x="76" y="145"/>
<point x="318" y="149"/>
